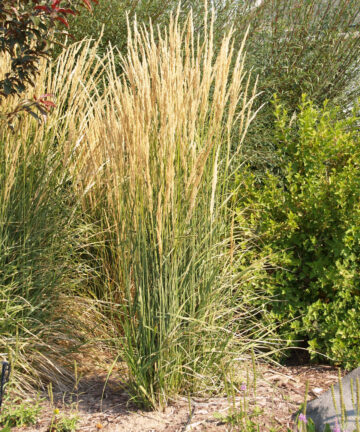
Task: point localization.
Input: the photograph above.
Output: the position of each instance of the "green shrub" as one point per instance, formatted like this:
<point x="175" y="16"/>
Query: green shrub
<point x="304" y="221"/>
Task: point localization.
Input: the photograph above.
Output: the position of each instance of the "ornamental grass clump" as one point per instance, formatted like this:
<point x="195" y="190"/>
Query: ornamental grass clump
<point x="35" y="264"/>
<point x="125" y="228"/>
<point x="155" y="173"/>
<point x="40" y="272"/>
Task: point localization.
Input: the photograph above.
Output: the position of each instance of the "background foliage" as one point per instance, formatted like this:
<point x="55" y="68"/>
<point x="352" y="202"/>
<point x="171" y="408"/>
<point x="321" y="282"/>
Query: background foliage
<point x="296" y="47"/>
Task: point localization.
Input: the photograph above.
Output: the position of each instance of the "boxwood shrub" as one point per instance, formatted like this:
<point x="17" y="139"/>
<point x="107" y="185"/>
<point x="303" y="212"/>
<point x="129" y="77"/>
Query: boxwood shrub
<point x="302" y="219"/>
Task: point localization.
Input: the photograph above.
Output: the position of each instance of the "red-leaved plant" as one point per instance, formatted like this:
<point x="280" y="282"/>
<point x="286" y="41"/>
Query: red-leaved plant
<point x="27" y="27"/>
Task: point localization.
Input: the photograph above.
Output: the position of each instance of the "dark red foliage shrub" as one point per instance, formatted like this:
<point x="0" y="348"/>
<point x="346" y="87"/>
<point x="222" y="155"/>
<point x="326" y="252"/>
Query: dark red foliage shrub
<point x="27" y="27"/>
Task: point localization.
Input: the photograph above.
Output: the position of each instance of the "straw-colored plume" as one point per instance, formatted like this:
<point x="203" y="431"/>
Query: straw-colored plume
<point x="160" y="124"/>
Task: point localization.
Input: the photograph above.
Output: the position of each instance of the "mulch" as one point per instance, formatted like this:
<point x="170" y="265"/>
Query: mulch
<point x="279" y="394"/>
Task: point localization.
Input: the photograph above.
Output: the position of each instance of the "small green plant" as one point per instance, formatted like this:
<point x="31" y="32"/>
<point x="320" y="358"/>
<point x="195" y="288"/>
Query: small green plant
<point x="240" y="415"/>
<point x="17" y="413"/>
<point x="62" y="422"/>
<point x="243" y="421"/>
<point x="305" y="424"/>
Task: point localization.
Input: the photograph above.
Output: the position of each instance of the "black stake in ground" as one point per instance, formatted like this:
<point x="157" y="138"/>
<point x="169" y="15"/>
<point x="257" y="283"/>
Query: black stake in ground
<point x="5" y="375"/>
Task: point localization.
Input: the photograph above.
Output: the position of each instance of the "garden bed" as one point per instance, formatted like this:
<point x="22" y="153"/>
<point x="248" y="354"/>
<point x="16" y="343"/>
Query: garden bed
<point x="280" y="391"/>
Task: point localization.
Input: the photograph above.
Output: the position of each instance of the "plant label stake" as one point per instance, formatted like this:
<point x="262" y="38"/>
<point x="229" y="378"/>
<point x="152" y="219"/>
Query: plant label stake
<point x="5" y="375"/>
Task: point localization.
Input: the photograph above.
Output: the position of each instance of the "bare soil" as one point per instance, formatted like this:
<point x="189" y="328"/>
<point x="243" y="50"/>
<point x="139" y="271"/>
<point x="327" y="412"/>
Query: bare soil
<point x="280" y="391"/>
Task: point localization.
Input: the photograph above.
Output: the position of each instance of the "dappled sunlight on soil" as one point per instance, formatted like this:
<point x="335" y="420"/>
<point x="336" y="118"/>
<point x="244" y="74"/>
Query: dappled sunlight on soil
<point x="280" y="391"/>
